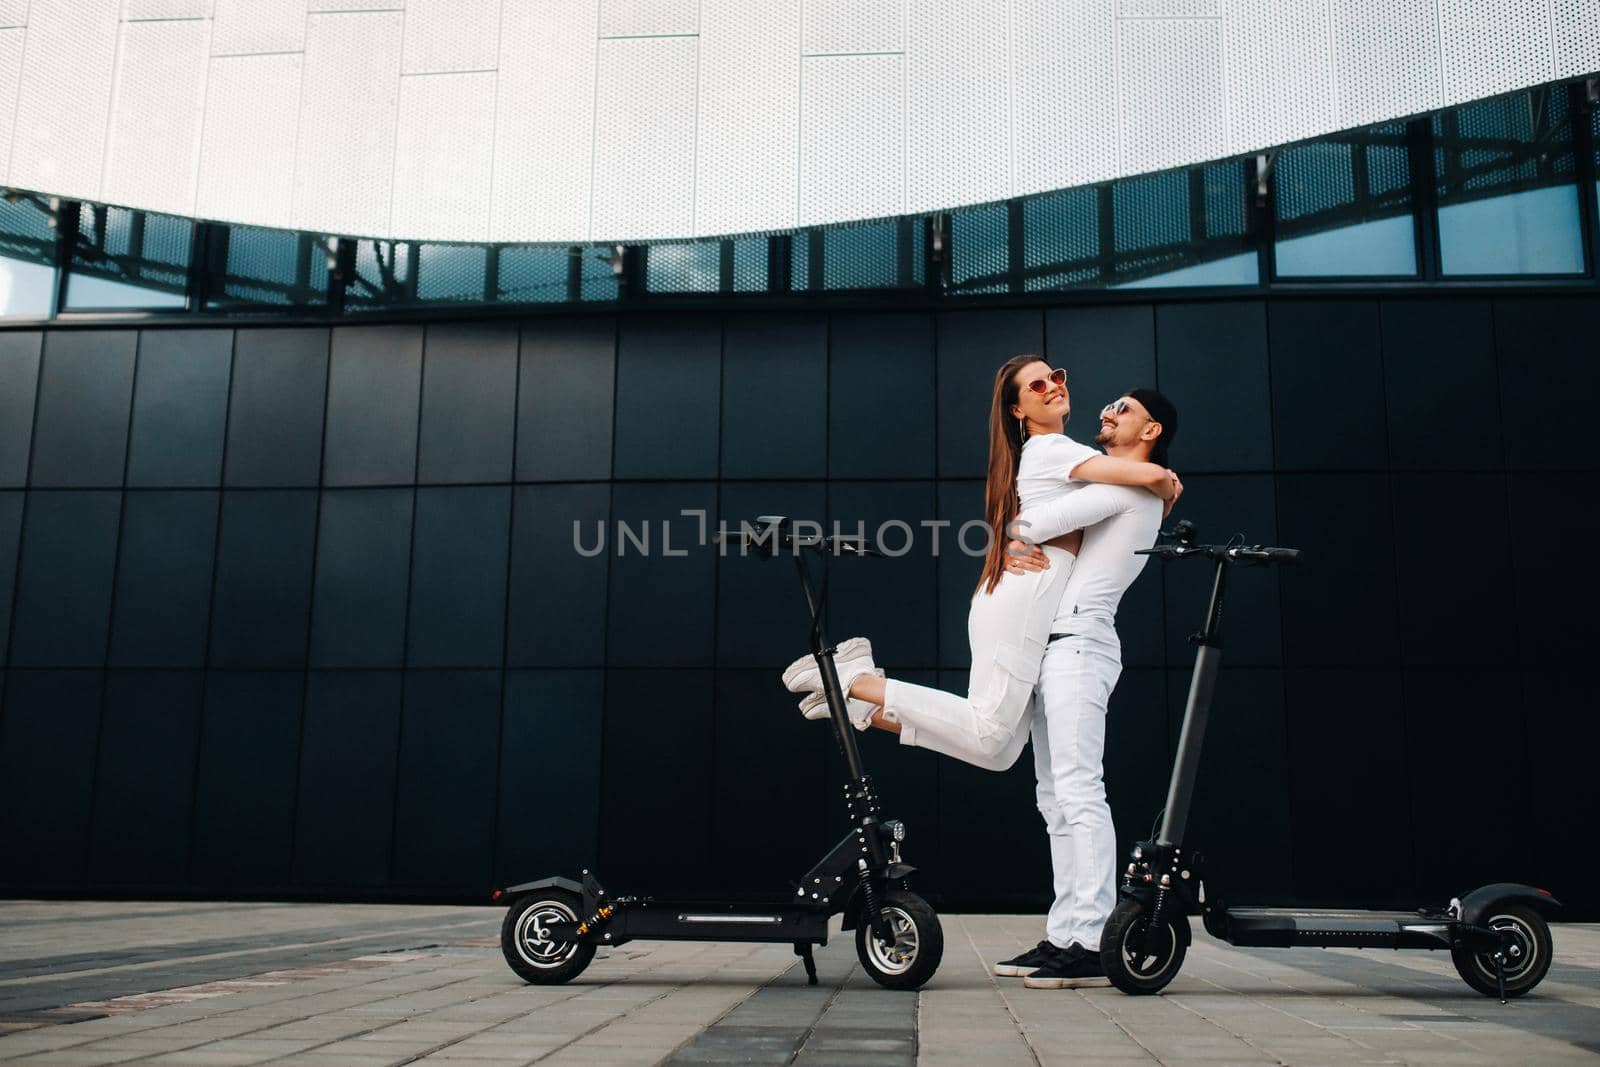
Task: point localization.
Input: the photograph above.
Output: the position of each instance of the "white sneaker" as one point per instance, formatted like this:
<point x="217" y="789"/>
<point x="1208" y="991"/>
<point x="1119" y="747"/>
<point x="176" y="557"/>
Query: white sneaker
<point x="851" y="657"/>
<point x="815" y="706"/>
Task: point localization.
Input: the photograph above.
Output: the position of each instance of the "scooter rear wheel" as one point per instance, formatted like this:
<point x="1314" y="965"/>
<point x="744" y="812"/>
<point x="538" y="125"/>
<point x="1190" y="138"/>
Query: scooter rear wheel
<point x="918" y="945"/>
<point x="1138" y="965"/>
<point x="533" y="955"/>
<point x="1528" y="955"/>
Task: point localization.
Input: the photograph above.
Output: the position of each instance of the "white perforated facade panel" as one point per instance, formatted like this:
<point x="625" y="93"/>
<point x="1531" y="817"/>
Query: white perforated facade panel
<point x="344" y="160"/>
<point x="1490" y="45"/>
<point x="253" y="27"/>
<point x="748" y="142"/>
<point x="10" y="74"/>
<point x="649" y="18"/>
<point x="151" y="10"/>
<point x="65" y="94"/>
<point x="451" y="35"/>
<point x="958" y="137"/>
<point x="248" y="146"/>
<point x="644" y="139"/>
<point x="852" y="137"/>
<point x="1173" y="106"/>
<point x="1280" y="71"/>
<point x="1063" y="94"/>
<point x="1386" y="59"/>
<point x="444" y="148"/>
<point x="545" y="98"/>
<point x="664" y="119"/>
<point x="154" y="142"/>
<point x="1575" y="26"/>
<point x="841" y="27"/>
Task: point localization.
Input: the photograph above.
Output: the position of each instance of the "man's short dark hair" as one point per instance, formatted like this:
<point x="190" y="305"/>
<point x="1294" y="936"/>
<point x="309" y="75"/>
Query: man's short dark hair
<point x="1163" y="411"/>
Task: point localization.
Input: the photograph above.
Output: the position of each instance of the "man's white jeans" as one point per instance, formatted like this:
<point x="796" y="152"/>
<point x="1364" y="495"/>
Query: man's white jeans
<point x="1069" y="744"/>
<point x="1007" y="630"/>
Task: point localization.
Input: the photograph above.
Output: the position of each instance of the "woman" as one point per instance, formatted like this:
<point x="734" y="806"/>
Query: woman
<point x="1030" y="462"/>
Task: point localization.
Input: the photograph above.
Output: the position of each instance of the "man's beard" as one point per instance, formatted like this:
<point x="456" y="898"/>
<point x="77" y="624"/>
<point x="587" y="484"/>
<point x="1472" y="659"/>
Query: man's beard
<point x="1105" y="435"/>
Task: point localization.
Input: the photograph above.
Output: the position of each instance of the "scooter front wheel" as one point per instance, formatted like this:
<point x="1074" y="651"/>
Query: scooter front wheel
<point x="1527" y="956"/>
<point x="530" y="950"/>
<point x="1137" y="962"/>
<point x="911" y="958"/>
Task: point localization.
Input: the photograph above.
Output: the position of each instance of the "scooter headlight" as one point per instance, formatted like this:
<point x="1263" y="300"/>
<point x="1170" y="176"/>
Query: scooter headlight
<point x="895" y="829"/>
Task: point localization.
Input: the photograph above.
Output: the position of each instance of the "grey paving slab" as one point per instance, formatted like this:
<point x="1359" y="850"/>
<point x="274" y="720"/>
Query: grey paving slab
<point x="223" y="984"/>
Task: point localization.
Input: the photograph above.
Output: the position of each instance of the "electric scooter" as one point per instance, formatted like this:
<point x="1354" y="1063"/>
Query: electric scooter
<point x="1497" y="935"/>
<point x="553" y="926"/>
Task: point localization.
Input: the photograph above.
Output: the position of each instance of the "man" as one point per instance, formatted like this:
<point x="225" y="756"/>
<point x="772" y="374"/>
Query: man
<point x="1081" y="667"/>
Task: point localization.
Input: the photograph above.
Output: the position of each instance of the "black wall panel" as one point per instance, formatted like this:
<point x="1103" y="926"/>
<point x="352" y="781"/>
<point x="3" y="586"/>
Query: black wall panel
<point x="80" y="435"/>
<point x="1223" y="507"/>
<point x="557" y="599"/>
<point x="164" y="566"/>
<point x="1327" y="385"/>
<point x="457" y="636"/>
<point x="972" y="345"/>
<point x="881" y="396"/>
<point x="775" y="397"/>
<point x="19" y="383"/>
<point x="47" y="758"/>
<point x="64" y="578"/>
<point x="245" y="786"/>
<point x="10" y="539"/>
<point x="344" y="816"/>
<point x="657" y="744"/>
<point x="275" y="407"/>
<point x="565" y="397"/>
<point x="549" y="804"/>
<point x="768" y="764"/>
<point x="761" y="612"/>
<point x="1212" y="363"/>
<point x="661" y="588"/>
<point x="469" y="404"/>
<point x="1441" y="385"/>
<point x="458" y="577"/>
<point x="1546" y="350"/>
<point x="669" y="395"/>
<point x="263" y="584"/>
<point x="1339" y="604"/>
<point x="144" y="781"/>
<point x="180" y="407"/>
<point x="358" y="612"/>
<point x="374" y="387"/>
<point x="893" y="600"/>
<point x="445" y="802"/>
<point x="1350" y="789"/>
<point x="1106" y="351"/>
<point x="1455" y="587"/>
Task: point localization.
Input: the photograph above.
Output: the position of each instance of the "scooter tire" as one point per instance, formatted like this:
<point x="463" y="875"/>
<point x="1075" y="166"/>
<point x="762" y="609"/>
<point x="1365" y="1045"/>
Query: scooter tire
<point x="918" y="947"/>
<point x="543" y="962"/>
<point x="1530" y="936"/>
<point x="1130" y="968"/>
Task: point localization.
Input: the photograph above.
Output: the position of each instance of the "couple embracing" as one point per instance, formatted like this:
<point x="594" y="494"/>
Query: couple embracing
<point x="1067" y="520"/>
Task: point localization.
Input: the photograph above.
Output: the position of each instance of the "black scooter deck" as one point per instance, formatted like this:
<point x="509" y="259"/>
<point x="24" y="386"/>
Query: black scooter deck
<point x="1335" y="928"/>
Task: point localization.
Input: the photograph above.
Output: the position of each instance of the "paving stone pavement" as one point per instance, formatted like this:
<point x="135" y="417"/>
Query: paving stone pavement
<point x="355" y="985"/>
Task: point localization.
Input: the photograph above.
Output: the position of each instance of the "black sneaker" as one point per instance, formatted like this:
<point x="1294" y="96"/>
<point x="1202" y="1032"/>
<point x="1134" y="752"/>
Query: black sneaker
<point x="1074" y="968"/>
<point x="1028" y="962"/>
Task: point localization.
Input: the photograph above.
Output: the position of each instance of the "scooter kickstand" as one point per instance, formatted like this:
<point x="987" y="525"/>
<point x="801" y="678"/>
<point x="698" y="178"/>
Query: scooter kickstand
<point x="803" y="950"/>
<point x="1500" y="973"/>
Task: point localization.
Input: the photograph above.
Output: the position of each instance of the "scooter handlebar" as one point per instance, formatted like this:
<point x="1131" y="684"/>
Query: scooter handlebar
<point x="1224" y="553"/>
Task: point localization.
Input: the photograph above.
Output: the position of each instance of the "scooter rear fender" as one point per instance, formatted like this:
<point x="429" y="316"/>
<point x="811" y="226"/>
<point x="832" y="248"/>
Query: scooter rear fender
<point x="1478" y="905"/>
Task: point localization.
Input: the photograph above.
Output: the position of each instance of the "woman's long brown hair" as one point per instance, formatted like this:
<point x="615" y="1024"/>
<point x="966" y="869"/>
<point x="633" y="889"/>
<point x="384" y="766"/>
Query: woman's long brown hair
<point x="1000" y="505"/>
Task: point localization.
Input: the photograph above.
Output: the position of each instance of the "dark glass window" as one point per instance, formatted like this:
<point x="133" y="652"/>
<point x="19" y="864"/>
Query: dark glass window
<point x="27" y="256"/>
<point x="1061" y="238"/>
<point x="129" y="259"/>
<point x="684" y="268"/>
<point x="980" y="250"/>
<point x="879" y="255"/>
<point x="1344" y="206"/>
<point x="261" y="266"/>
<point x="530" y="274"/>
<point x="1507" y="187"/>
<point x="1183" y="228"/>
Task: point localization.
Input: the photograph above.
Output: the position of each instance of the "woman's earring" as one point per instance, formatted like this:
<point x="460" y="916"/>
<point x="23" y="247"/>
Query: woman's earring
<point x="1022" y="429"/>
